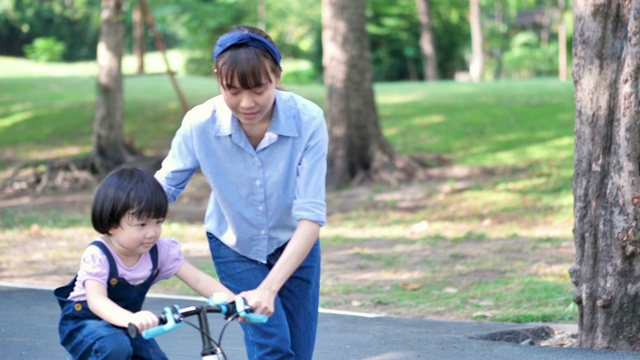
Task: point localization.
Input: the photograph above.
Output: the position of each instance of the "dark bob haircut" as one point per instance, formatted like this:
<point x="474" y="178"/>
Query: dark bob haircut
<point x="127" y="192"/>
<point x="245" y="63"/>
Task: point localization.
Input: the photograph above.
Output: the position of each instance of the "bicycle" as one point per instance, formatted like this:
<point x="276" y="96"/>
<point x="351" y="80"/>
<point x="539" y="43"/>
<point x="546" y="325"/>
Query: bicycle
<point x="173" y="317"/>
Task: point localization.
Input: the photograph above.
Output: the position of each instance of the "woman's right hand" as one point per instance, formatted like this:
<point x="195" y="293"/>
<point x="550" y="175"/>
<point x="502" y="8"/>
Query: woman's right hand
<point x="262" y="302"/>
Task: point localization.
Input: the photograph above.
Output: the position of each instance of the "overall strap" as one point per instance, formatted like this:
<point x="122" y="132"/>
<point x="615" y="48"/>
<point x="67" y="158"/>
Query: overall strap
<point x="154" y="260"/>
<point x="113" y="268"/>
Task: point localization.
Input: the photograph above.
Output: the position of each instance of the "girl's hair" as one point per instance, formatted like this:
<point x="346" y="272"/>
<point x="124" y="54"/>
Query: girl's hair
<point x="245" y="62"/>
<point x="127" y="192"/>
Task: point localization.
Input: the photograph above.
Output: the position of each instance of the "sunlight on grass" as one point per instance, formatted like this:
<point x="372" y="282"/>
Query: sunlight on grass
<point x="15" y="118"/>
<point x="558" y="148"/>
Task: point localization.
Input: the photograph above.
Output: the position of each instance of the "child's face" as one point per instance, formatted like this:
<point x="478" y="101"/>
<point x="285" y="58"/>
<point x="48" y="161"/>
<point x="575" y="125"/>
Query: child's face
<point x="135" y="236"/>
<point x="251" y="106"/>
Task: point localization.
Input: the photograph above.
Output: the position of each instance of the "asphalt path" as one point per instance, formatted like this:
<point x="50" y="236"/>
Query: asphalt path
<point x="28" y="330"/>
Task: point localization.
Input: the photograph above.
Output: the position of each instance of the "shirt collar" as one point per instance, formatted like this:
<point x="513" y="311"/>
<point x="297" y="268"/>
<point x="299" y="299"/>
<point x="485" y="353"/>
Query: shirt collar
<point x="284" y="119"/>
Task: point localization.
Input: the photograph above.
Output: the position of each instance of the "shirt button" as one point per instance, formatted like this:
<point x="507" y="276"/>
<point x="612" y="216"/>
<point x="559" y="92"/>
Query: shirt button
<point x="258" y="182"/>
<point x="262" y="232"/>
<point x="260" y="208"/>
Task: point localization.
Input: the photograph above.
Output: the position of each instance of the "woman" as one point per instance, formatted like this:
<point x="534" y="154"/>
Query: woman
<point x="263" y="152"/>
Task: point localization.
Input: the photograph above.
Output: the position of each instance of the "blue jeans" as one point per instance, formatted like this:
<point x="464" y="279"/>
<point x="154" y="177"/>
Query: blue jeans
<point x="290" y="332"/>
<point x="97" y="339"/>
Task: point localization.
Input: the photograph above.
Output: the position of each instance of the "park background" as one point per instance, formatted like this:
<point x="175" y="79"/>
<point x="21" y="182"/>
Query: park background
<point x="486" y="236"/>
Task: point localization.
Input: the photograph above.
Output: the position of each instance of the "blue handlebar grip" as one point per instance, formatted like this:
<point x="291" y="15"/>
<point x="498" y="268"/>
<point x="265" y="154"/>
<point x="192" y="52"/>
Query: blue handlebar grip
<point x="255" y="318"/>
<point x="170" y="325"/>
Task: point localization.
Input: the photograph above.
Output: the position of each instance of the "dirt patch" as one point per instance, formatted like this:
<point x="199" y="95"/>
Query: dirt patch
<point x="378" y="257"/>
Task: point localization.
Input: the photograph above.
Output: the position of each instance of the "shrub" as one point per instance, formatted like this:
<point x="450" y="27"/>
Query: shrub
<point x="45" y="49"/>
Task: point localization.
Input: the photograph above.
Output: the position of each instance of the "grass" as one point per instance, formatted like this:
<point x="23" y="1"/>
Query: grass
<point x="497" y="249"/>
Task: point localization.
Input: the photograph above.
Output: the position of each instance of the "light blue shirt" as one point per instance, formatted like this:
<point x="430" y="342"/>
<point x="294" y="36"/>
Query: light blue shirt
<point x="257" y="195"/>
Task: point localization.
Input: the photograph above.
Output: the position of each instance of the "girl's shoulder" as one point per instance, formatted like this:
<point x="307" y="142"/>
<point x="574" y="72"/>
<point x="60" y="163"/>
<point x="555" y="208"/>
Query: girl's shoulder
<point x="168" y="245"/>
<point x="170" y="257"/>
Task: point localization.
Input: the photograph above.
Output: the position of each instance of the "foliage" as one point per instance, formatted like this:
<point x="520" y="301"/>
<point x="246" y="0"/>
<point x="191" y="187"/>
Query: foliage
<point x="527" y="58"/>
<point x="74" y="22"/>
<point x="295" y="25"/>
<point x="46" y="49"/>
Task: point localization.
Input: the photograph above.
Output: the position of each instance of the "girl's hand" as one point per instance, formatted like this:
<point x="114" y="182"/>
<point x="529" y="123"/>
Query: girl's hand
<point x="144" y="320"/>
<point x="262" y="302"/>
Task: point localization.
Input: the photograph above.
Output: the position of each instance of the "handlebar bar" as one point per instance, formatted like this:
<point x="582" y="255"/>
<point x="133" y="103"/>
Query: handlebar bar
<point x="171" y="318"/>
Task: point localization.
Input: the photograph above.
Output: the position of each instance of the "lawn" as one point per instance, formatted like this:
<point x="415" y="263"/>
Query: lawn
<point x="490" y="239"/>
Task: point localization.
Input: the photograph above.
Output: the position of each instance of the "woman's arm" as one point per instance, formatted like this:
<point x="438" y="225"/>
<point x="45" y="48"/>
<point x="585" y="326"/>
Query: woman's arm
<point x="100" y="304"/>
<point x="201" y="282"/>
<point x="262" y="299"/>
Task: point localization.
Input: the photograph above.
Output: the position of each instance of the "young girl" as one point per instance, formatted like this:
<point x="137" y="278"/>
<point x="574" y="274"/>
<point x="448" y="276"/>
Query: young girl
<point x="263" y="152"/>
<point x="117" y="270"/>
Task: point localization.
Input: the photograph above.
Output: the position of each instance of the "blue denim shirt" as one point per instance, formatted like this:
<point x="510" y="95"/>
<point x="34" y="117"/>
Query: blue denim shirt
<point x="257" y="195"/>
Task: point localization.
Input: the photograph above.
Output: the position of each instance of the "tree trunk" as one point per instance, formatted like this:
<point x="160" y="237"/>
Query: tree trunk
<point x="562" y="43"/>
<point x="477" y="58"/>
<point x="606" y="178"/>
<point x="262" y="14"/>
<point x="358" y="148"/>
<point x="109" y="147"/>
<point x="429" y="59"/>
<point x="138" y="37"/>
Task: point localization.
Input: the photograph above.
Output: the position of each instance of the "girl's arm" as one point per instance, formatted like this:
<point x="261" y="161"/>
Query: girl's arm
<point x="100" y="304"/>
<point x="262" y="299"/>
<point x="201" y="282"/>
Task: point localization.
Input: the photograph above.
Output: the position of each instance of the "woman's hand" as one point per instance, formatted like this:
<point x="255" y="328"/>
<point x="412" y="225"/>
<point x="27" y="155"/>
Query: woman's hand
<point x="262" y="302"/>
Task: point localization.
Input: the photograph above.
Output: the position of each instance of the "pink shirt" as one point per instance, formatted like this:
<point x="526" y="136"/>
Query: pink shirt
<point x="95" y="266"/>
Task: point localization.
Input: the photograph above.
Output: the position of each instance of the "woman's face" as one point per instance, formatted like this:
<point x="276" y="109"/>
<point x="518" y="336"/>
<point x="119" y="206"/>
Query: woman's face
<point x="251" y="106"/>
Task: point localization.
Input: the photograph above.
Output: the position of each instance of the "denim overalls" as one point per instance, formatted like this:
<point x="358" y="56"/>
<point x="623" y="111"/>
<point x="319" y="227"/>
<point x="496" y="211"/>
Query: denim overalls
<point x="85" y="336"/>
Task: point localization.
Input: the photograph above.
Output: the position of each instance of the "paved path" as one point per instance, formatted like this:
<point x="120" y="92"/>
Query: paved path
<point x="29" y="319"/>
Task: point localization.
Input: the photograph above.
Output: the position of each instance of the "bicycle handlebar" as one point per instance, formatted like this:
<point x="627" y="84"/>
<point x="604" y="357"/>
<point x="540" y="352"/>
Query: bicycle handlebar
<point x="171" y="318"/>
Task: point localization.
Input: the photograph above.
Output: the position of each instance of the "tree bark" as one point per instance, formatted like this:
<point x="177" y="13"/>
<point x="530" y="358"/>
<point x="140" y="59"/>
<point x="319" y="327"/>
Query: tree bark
<point x="476" y="67"/>
<point x="429" y="58"/>
<point x="139" y="47"/>
<point x="358" y="149"/>
<point x="606" y="55"/>
<point x="109" y="147"/>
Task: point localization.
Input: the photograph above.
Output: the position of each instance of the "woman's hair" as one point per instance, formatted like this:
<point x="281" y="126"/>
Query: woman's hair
<point x="246" y="63"/>
<point x="127" y="192"/>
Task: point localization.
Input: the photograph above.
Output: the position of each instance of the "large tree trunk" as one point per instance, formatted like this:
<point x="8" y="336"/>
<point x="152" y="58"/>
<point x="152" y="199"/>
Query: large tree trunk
<point x="109" y="147"/>
<point x="358" y="148"/>
<point x="427" y="47"/>
<point x="476" y="67"/>
<point x="606" y="179"/>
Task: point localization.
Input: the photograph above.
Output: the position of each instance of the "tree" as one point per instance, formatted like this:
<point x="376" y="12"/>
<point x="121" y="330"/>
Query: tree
<point x="139" y="47"/>
<point x="429" y="58"/>
<point x="109" y="146"/>
<point x="477" y="57"/>
<point x="606" y="65"/>
<point x="358" y="148"/>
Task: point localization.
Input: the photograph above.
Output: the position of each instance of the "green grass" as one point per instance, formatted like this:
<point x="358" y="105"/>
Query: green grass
<point x="480" y="244"/>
